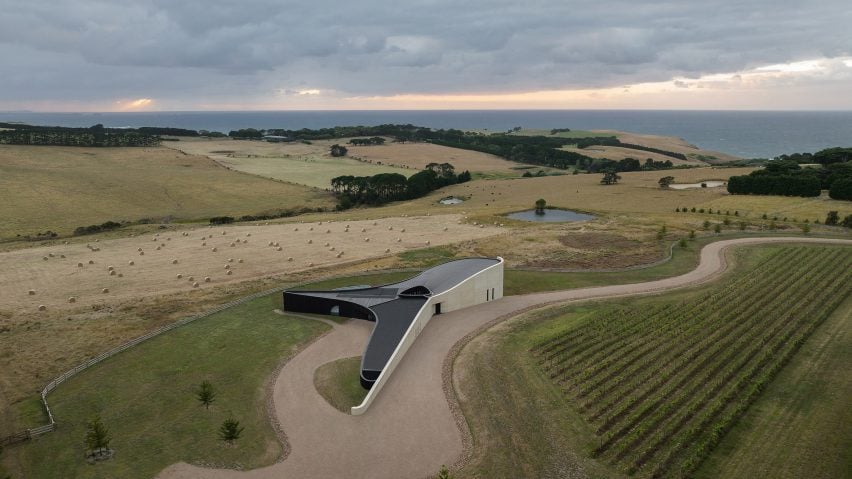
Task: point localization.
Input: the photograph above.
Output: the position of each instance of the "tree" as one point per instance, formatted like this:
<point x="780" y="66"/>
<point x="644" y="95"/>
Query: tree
<point x="847" y="221"/>
<point x="666" y="181"/>
<point x="717" y="228"/>
<point x="841" y="189"/>
<point x="97" y="435"/>
<point x="444" y="473"/>
<point x="230" y="430"/>
<point x="540" y="204"/>
<point x="338" y="150"/>
<point x="205" y="394"/>
<point x="610" y="177"/>
<point x="682" y="242"/>
<point x="832" y="218"/>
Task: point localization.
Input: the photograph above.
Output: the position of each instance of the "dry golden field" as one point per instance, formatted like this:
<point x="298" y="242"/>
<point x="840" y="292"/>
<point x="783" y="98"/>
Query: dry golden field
<point x="296" y="162"/>
<point x="60" y="188"/>
<point x="418" y="155"/>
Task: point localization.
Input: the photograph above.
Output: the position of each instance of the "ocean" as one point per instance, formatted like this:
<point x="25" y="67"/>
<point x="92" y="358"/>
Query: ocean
<point x="748" y="134"/>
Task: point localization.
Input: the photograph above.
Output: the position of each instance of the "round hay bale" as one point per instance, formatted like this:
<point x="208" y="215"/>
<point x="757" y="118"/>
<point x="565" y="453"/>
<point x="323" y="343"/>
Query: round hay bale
<point x="270" y="244"/>
<point x="179" y="276"/>
<point x="174" y="261"/>
<point x="328" y="231"/>
<point x="366" y="240"/>
<point x="363" y="230"/>
<point x="72" y="299"/>
<point x="105" y="290"/>
<point x="207" y="279"/>
<point x="326" y="243"/>
<point x="311" y="228"/>
<point x="158" y="248"/>
<point x="42" y="307"/>
<point x="482" y="226"/>
<point x="112" y="272"/>
<point x="131" y="262"/>
<point x="62" y="256"/>
<point x="475" y="223"/>
<point x="91" y="261"/>
<point x="203" y="243"/>
<point x="138" y="249"/>
<point x="191" y="278"/>
<point x="387" y="250"/>
<point x="374" y="223"/>
<point x="227" y="266"/>
<point x="79" y="265"/>
<point x="64" y="242"/>
<point x="248" y="234"/>
<point x="390" y="228"/>
<point x="168" y="239"/>
<point x="290" y="258"/>
<point x="120" y="275"/>
<point x="402" y="230"/>
<point x="233" y="245"/>
<point x="399" y="240"/>
<point x="31" y="292"/>
<point x="278" y="249"/>
<point x="97" y="241"/>
<point x="331" y="249"/>
<point x="276" y="244"/>
<point x="229" y="272"/>
<point x="214" y="249"/>
<point x="96" y="249"/>
<point x="110" y="268"/>
<point x="158" y="234"/>
<point x="223" y="233"/>
<point x="230" y="260"/>
<point x="50" y="254"/>
<point x="310" y="241"/>
<point x="44" y="258"/>
<point x="340" y="254"/>
<point x="195" y="284"/>
<point x="428" y="242"/>
<point x="245" y="241"/>
<point x="310" y="264"/>
<point x="153" y="239"/>
<point x="240" y="260"/>
<point x="297" y="229"/>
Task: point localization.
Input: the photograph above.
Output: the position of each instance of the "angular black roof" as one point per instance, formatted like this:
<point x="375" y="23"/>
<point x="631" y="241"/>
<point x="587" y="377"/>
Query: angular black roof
<point x="393" y="306"/>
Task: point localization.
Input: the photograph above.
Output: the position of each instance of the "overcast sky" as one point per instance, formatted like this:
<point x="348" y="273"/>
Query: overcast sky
<point x="101" y="55"/>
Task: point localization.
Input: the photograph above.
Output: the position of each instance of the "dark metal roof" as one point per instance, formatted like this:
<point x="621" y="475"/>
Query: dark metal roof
<point x="394" y="306"/>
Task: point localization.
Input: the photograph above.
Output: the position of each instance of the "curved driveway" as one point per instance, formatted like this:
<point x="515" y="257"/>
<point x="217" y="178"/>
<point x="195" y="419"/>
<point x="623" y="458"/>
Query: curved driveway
<point x="410" y="429"/>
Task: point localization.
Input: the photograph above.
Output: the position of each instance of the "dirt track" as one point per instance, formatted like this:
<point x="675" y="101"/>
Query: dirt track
<point x="410" y="430"/>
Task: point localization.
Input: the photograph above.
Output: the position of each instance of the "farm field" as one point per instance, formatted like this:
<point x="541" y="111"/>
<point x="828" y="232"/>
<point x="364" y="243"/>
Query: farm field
<point x="61" y="188"/>
<point x="667" y="143"/>
<point x="149" y="405"/>
<point x="630" y="382"/>
<point x="300" y="163"/>
<point x="418" y="155"/>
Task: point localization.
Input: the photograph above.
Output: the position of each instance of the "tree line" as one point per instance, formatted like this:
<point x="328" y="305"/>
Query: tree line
<point x="786" y="177"/>
<point x="386" y="187"/>
<point x="376" y="140"/>
<point x="95" y="136"/>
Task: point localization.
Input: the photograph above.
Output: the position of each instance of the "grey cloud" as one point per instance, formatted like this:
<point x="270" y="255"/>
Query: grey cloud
<point x="251" y="48"/>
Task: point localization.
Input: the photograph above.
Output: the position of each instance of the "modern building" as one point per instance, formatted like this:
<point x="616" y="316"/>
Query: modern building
<point x="401" y="310"/>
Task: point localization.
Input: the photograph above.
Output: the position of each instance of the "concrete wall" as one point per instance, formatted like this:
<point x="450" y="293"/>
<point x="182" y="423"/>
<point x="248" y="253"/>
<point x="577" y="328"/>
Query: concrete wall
<point x="472" y="291"/>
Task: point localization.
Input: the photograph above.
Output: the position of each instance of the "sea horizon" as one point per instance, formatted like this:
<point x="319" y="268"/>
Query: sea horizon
<point x="744" y="133"/>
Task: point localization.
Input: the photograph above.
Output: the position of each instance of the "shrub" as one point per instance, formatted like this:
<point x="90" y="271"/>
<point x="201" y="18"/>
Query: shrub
<point x="841" y="189"/>
<point x="832" y="218"/>
<point x="221" y="220"/>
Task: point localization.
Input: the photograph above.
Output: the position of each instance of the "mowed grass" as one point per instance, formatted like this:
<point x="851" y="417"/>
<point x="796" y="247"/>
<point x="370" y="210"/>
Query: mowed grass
<point x="635" y="388"/>
<point x="307" y="164"/>
<point x="338" y="383"/>
<point x="145" y="396"/>
<point x="61" y="188"/>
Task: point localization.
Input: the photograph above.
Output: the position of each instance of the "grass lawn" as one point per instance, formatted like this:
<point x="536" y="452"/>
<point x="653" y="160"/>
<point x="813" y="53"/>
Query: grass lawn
<point x="145" y="397"/>
<point x="338" y="383"/>
<point x="525" y="425"/>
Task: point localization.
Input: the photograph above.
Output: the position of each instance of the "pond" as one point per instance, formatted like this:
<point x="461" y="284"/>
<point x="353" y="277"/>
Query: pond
<point x="551" y="216"/>
<point x="451" y="201"/>
<point x="709" y="184"/>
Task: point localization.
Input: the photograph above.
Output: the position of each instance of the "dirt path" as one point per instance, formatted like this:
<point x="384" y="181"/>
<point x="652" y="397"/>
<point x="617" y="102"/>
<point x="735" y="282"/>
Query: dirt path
<point x="410" y="429"/>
